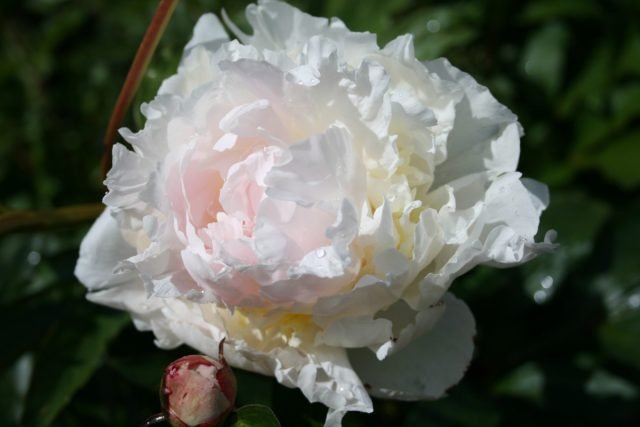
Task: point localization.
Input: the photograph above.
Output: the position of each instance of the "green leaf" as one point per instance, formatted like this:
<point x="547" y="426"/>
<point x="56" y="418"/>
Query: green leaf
<point x="526" y="381"/>
<point x="624" y="103"/>
<point x="254" y="416"/>
<point x="575" y="231"/>
<point x="462" y="408"/>
<point x="576" y="234"/>
<point x="71" y="351"/>
<point x="605" y="384"/>
<point x="33" y="319"/>
<point x="620" y="289"/>
<point x="629" y="63"/>
<point x="599" y="134"/>
<point x="439" y="30"/>
<point x="542" y="11"/>
<point x="142" y="369"/>
<point x="544" y="57"/>
<point x="380" y="7"/>
<point x="627" y="247"/>
<point x="255" y="388"/>
<point x="375" y="18"/>
<point x="619" y="338"/>
<point x="13" y="387"/>
<point x="592" y="128"/>
<point x="619" y="160"/>
<point x="592" y="83"/>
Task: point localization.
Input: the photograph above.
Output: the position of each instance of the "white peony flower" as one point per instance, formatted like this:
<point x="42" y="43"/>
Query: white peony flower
<point x="311" y="197"/>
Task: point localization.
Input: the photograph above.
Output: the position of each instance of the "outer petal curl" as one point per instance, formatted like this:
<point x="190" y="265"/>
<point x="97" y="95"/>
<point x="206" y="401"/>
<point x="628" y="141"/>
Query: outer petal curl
<point x="426" y="367"/>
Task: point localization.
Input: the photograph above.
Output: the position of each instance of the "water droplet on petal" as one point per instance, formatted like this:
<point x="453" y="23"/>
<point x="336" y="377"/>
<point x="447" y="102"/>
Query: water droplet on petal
<point x="320" y="253"/>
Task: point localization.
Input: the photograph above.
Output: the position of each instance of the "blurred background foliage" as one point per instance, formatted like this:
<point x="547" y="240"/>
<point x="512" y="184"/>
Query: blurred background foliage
<point x="558" y="340"/>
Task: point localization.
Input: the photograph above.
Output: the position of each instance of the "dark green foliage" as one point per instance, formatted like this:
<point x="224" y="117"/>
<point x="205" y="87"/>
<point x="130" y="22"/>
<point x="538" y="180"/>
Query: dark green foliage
<point x="565" y="354"/>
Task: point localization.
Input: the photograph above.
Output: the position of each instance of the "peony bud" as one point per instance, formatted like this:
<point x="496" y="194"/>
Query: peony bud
<point x="198" y="391"/>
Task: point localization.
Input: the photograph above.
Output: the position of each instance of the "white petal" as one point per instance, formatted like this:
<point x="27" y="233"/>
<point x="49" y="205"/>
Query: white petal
<point x="401" y="48"/>
<point x="369" y="295"/>
<point x="151" y="142"/>
<point x="387" y="179"/>
<point x="208" y="33"/>
<point x="305" y="75"/>
<point x="254" y="119"/>
<point x="429" y="365"/>
<point x="322" y="170"/>
<point x="407" y="325"/>
<point x="128" y="180"/>
<point x="485" y="134"/>
<point x="101" y="252"/>
<point x="278" y="26"/>
<point x="539" y="193"/>
<point x="324" y="375"/>
<point x="370" y="96"/>
<point x="509" y="202"/>
<point x="354" y="332"/>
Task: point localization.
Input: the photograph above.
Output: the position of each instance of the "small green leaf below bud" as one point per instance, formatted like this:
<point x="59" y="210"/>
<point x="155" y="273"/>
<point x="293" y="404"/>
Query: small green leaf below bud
<point x="198" y="391"/>
<point x="254" y="416"/>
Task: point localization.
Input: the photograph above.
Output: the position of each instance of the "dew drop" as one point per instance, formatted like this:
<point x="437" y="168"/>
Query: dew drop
<point x="528" y="67"/>
<point x="433" y="25"/>
<point x="540" y="296"/>
<point x="320" y="253"/>
<point x="547" y="282"/>
<point x="34" y="258"/>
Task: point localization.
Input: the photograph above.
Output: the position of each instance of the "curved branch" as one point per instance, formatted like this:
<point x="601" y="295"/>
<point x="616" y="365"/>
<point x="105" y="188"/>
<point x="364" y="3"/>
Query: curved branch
<point x="134" y="76"/>
<point x="14" y="221"/>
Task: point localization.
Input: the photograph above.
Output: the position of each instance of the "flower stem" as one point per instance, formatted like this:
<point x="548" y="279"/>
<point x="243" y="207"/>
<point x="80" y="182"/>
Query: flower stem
<point x="15" y="220"/>
<point x="134" y="77"/>
<point x="154" y="419"/>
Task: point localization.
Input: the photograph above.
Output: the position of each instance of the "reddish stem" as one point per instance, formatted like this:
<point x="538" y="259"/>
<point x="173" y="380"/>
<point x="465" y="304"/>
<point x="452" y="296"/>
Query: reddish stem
<point x="134" y="76"/>
<point x="15" y="221"/>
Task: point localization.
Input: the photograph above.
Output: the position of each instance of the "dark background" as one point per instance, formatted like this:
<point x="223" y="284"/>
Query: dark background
<point x="567" y="354"/>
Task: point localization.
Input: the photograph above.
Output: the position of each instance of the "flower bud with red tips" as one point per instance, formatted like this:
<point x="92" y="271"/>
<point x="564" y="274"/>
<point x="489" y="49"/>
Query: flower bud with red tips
<point x="198" y="391"/>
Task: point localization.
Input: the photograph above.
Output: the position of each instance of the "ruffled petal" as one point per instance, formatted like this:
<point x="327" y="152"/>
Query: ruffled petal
<point x="208" y="33"/>
<point x="278" y="26"/>
<point x="323" y="375"/>
<point x="101" y="252"/>
<point x="485" y="134"/>
<point x="302" y="192"/>
<point x="426" y="367"/>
